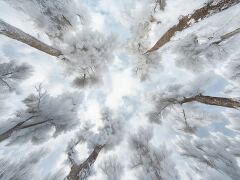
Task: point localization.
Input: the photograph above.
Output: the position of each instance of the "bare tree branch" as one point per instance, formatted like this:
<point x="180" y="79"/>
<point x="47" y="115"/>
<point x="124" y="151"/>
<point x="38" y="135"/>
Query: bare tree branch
<point x="8" y="133"/>
<point x="209" y="9"/>
<point x="227" y="36"/>
<point x="17" y="34"/>
<point x="35" y="124"/>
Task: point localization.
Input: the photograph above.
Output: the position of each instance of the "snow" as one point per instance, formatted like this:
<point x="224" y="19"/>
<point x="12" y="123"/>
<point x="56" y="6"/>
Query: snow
<point x="186" y="66"/>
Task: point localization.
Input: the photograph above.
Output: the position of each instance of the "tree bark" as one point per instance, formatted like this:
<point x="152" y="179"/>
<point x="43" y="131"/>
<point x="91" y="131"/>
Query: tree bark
<point x="209" y="9"/>
<point x="85" y="166"/>
<point x="210" y="100"/>
<point x="17" y="34"/>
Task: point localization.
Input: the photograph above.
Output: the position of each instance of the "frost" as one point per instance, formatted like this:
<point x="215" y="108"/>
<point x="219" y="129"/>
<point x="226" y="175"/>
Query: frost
<point x="151" y="162"/>
<point x="45" y="116"/>
<point x="12" y="73"/>
<point x="198" y="57"/>
<point x="217" y="152"/>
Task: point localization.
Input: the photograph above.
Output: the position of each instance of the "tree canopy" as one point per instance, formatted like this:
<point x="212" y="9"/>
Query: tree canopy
<point x="115" y="90"/>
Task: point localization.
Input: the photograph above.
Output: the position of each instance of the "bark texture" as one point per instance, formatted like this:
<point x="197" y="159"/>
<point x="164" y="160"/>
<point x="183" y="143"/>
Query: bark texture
<point x="210" y="100"/>
<point x="209" y="9"/>
<point x="17" y="34"/>
<point x="85" y="166"/>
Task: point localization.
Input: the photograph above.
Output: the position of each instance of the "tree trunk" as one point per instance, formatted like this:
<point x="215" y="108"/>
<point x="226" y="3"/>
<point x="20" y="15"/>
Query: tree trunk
<point x="17" y="34"/>
<point x="9" y="132"/>
<point x="209" y="9"/>
<point x="85" y="166"/>
<point x="210" y="100"/>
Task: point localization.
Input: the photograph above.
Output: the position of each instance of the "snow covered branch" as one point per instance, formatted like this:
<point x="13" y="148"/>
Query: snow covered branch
<point x="17" y="34"/>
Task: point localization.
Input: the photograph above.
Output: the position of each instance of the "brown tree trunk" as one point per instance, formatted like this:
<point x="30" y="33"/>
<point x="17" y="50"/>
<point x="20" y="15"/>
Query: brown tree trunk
<point x="17" y="34"/>
<point x="210" y="100"/>
<point x="209" y="9"/>
<point x="85" y="166"/>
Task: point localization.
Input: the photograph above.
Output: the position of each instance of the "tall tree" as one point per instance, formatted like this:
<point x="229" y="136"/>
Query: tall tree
<point x="12" y="73"/>
<point x="178" y="95"/>
<point x="21" y="168"/>
<point x="67" y="26"/>
<point x="210" y="8"/>
<point x="141" y="21"/>
<point x="217" y="152"/>
<point x="151" y="162"/>
<point x="108" y="137"/>
<point x="44" y="114"/>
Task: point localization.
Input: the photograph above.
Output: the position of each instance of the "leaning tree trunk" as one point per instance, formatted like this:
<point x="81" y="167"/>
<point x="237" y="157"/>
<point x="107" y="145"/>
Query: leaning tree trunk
<point x="10" y="131"/>
<point x="209" y="9"/>
<point x="84" y="168"/>
<point x="19" y="126"/>
<point x="17" y="34"/>
<point x="210" y="100"/>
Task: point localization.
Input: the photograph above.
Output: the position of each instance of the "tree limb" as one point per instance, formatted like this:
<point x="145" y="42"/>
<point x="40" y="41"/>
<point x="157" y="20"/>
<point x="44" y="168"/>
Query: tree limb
<point x="8" y="133"/>
<point x="227" y="36"/>
<point x="210" y="100"/>
<point x="35" y="124"/>
<point x="17" y="34"/>
<point x="209" y="9"/>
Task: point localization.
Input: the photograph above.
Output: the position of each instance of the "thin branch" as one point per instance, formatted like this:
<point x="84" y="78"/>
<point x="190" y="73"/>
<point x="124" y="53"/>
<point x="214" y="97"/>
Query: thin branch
<point x="35" y="124"/>
<point x="227" y="36"/>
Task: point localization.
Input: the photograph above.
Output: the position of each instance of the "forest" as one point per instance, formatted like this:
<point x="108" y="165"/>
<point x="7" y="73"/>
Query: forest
<point x="119" y="90"/>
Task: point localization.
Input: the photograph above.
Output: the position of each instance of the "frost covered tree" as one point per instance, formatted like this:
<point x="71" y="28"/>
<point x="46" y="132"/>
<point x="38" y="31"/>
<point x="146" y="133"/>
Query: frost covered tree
<point x="86" y="53"/>
<point x="12" y="73"/>
<point x="107" y="137"/>
<point x="217" y="151"/>
<point x="142" y="19"/>
<point x="44" y="117"/>
<point x="112" y="168"/>
<point x="151" y="162"/>
<point x="179" y="97"/>
<point x="199" y="54"/>
<point x="21" y="168"/>
<point x="210" y="8"/>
